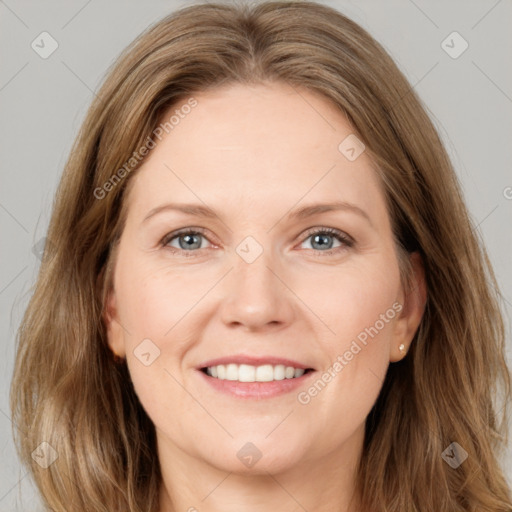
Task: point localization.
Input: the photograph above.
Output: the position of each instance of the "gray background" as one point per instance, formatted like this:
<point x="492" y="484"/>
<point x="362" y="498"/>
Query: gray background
<point x="43" y="102"/>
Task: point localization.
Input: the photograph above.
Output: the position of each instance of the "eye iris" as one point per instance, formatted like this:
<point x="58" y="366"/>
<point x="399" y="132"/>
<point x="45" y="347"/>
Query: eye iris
<point x="192" y="241"/>
<point x="320" y="236"/>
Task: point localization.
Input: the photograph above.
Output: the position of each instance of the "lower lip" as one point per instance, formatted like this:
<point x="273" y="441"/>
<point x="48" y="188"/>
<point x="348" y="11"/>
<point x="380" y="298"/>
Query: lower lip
<point x="256" y="389"/>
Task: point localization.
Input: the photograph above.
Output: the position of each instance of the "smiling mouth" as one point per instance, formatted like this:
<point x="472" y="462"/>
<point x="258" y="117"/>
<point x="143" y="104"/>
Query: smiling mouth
<point x="250" y="373"/>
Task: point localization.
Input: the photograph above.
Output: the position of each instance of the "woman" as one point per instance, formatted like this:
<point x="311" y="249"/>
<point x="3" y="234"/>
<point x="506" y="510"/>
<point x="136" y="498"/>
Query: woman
<point x="185" y="350"/>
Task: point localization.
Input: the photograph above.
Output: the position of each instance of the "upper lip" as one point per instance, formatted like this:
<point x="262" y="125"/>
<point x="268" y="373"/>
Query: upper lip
<point x="253" y="361"/>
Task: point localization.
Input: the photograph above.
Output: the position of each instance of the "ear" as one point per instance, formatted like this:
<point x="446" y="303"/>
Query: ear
<point x="115" y="335"/>
<point x="413" y="303"/>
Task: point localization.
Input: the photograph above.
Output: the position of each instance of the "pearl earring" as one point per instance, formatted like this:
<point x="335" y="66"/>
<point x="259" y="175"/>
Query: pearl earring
<point x="402" y="348"/>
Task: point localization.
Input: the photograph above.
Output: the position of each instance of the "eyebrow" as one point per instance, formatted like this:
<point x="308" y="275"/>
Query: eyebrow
<point x="298" y="214"/>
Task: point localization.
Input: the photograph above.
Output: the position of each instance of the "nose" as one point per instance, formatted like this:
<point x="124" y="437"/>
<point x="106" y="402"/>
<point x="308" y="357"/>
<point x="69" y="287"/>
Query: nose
<point x="256" y="296"/>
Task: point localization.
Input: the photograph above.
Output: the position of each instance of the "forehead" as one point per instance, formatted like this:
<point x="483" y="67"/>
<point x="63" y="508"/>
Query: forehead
<point x="256" y="145"/>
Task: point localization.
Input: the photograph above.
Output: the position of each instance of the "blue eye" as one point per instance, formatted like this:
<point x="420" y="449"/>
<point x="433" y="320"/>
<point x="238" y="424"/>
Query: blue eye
<point x="323" y="239"/>
<point x="190" y="240"/>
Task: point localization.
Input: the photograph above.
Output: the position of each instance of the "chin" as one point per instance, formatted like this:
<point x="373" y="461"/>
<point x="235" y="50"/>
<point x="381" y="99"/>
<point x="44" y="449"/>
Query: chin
<point x="258" y="457"/>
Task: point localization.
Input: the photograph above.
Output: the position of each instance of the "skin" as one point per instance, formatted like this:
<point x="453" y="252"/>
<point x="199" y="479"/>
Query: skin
<point x="252" y="154"/>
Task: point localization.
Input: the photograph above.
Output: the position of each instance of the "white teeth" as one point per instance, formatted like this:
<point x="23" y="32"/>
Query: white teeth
<point x="279" y="372"/>
<point x="289" y="372"/>
<point x="249" y="373"/>
<point x="246" y="373"/>
<point x="265" y="373"/>
<point x="231" y="372"/>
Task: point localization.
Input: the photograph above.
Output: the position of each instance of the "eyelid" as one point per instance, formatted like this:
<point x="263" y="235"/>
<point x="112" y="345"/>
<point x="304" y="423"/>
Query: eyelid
<point x="183" y="231"/>
<point x="342" y="237"/>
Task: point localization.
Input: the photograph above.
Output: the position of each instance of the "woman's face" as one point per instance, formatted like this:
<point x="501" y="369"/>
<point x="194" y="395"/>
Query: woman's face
<point x="299" y="306"/>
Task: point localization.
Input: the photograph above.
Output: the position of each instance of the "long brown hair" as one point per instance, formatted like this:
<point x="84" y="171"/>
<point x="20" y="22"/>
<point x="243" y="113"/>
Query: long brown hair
<point x="68" y="391"/>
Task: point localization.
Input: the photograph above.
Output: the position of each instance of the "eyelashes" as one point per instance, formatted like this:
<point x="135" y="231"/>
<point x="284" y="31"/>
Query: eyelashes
<point x="193" y="234"/>
<point x="181" y="233"/>
<point x="345" y="240"/>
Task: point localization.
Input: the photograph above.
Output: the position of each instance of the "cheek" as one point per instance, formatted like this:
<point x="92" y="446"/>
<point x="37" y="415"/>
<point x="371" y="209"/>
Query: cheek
<point x="360" y="307"/>
<point x="158" y="334"/>
<point x="158" y="301"/>
<point x="155" y="299"/>
<point x="357" y="303"/>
